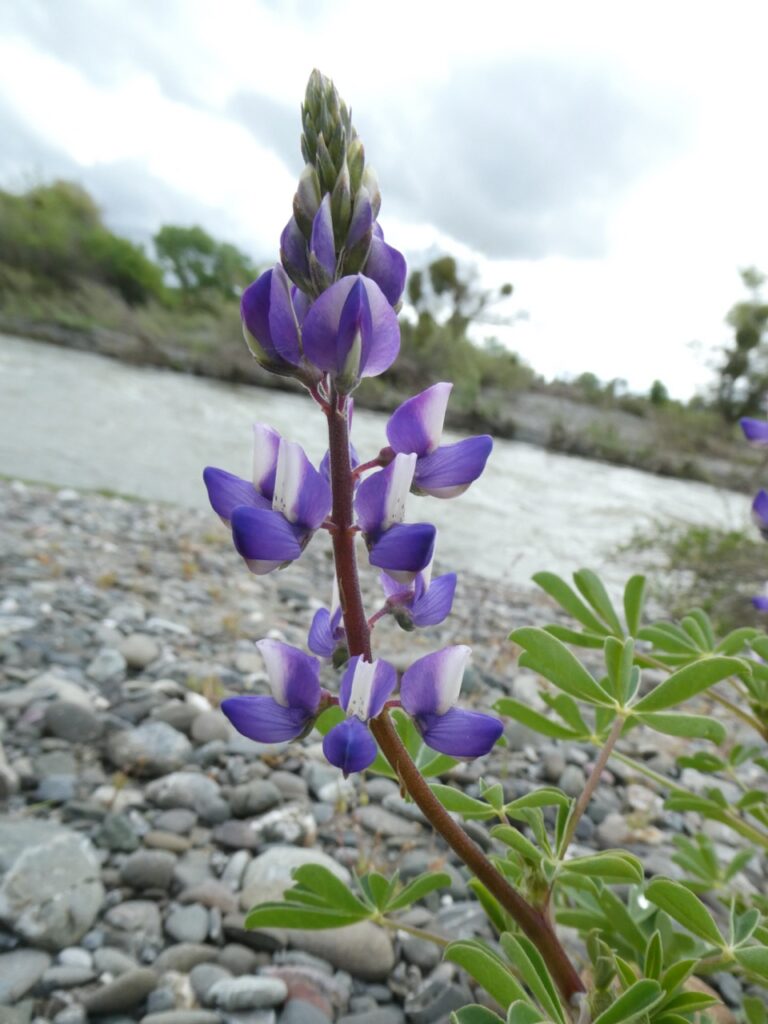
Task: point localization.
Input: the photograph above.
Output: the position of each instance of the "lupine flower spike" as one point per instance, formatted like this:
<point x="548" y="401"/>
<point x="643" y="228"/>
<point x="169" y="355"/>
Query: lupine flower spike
<point x="363" y="692"/>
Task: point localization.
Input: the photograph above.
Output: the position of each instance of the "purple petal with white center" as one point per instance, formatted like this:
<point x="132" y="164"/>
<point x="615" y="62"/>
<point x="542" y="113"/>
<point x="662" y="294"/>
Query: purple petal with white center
<point x="321" y="243"/>
<point x="362" y="218"/>
<point x="387" y="267"/>
<point x="404" y="550"/>
<point x="435" y="604"/>
<point x="755" y="431"/>
<point x="265" y="538"/>
<point x="460" y="733"/>
<point x="226" y="492"/>
<point x="355" y="329"/>
<point x="293" y="248"/>
<point x="760" y="602"/>
<point x="449" y="470"/>
<point x="283" y="325"/>
<point x="321" y="329"/>
<point x="365" y="687"/>
<point x="417" y="425"/>
<point x="293" y="675"/>
<point x="264" y="720"/>
<point x="301" y="494"/>
<point x="431" y="685"/>
<point x="380" y="499"/>
<point x="393" y="589"/>
<point x="760" y="512"/>
<point x="350" y="746"/>
<point x="254" y="310"/>
<point x="266" y="445"/>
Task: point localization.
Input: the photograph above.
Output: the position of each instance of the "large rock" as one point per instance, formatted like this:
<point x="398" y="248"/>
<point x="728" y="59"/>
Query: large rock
<point x="364" y="949"/>
<point x="50" y="888"/>
<point x="149" y="750"/>
<point x="270" y="874"/>
<point x="19" y="970"/>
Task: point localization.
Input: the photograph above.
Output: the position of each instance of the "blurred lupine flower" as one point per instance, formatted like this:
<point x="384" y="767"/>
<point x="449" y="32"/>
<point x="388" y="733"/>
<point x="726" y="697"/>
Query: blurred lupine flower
<point x="428" y="691"/>
<point x="760" y="602"/>
<point x="351" y="332"/>
<point x="327" y="633"/>
<point x="755" y="431"/>
<point x="423" y="602"/>
<point x="363" y="692"/>
<point x="760" y="513"/>
<point x="443" y="471"/>
<point x="401" y="549"/>
<point x="274" y="517"/>
<point x="294" y="678"/>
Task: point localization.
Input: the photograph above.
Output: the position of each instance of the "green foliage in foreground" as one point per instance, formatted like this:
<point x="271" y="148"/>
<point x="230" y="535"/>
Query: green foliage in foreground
<point x="645" y="939"/>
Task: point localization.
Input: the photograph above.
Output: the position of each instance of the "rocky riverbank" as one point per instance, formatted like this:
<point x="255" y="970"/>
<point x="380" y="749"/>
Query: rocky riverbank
<point x="137" y="827"/>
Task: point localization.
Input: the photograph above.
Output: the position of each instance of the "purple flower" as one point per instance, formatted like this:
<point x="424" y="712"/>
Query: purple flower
<point x="755" y="431"/>
<point x="322" y="249"/>
<point x="273" y="518"/>
<point x="401" y="549"/>
<point x="363" y="692"/>
<point x="294" y="678"/>
<point x="424" y="602"/>
<point x="428" y="691"/>
<point x="386" y="266"/>
<point x="351" y="331"/>
<point x="760" y="602"/>
<point x="270" y="322"/>
<point x="760" y="513"/>
<point x="327" y="633"/>
<point x="444" y="471"/>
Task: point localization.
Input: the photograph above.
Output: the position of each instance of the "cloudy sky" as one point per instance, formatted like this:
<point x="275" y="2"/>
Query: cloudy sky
<point x="609" y="159"/>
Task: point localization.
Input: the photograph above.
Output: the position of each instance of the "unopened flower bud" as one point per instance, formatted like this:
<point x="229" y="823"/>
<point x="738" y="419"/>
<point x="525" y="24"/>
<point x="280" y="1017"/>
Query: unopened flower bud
<point x="306" y="202"/>
<point x="341" y="205"/>
<point x="324" y="164"/>
<point x="371" y="182"/>
<point x="355" y="163"/>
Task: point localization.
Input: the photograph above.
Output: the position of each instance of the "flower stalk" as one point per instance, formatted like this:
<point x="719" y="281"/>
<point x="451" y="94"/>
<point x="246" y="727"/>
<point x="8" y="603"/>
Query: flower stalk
<point x="532" y="921"/>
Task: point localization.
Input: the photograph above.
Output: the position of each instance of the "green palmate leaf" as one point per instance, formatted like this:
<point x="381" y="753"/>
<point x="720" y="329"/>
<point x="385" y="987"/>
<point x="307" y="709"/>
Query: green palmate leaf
<point x="688" y="681"/>
<point x="467" y="806"/>
<point x="755" y="1010"/>
<point x="475" y="1014"/>
<point x="638" y="999"/>
<point x="699" y="629"/>
<point x="431" y="764"/>
<point x="744" y="926"/>
<point x="377" y="888"/>
<point x="487" y="969"/>
<point x="735" y="641"/>
<point x="611" y="866"/>
<point x="573" y="636"/>
<point x="494" y="911"/>
<point x="690" y="726"/>
<point x="591" y="587"/>
<point x="702" y="761"/>
<point x="532" y="969"/>
<point x="336" y="894"/>
<point x="689" y="1002"/>
<point x="567" y="708"/>
<point x="675" y="975"/>
<point x="420" y="887"/>
<point x="739" y="862"/>
<point x="654" y="957"/>
<point x="669" y="638"/>
<point x="551" y="659"/>
<point x="524" y="1013"/>
<point x="569" y="600"/>
<point x="287" y="915"/>
<point x="518" y="842"/>
<point x="547" y="796"/>
<point x="675" y="1018"/>
<point x="634" y="601"/>
<point x="533" y="719"/>
<point x="685" y="908"/>
<point x="754" y="959"/>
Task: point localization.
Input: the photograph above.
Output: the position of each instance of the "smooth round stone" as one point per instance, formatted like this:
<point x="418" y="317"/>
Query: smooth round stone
<point x="19" y="970"/>
<point x="71" y="1015"/>
<point x="57" y="789"/>
<point x="170" y="841"/>
<point x="151" y="749"/>
<point x="62" y="976"/>
<point x="72" y="722"/>
<point x="117" y="833"/>
<point x="160" y="1000"/>
<point x="179" y="820"/>
<point x="204" y="976"/>
<point x="139" y="650"/>
<point x="209" y="726"/>
<point x="238" y="959"/>
<point x="292" y="787"/>
<point x="113" y="961"/>
<point x="254" y="798"/>
<point x="184" y="956"/>
<point x="572" y="780"/>
<point x="249" y="992"/>
<point x="124" y="993"/>
<point x="108" y="664"/>
<point x="298" y="1011"/>
<point x="187" y="924"/>
<point x="75" y="956"/>
<point x="182" y="1017"/>
<point x="148" y="869"/>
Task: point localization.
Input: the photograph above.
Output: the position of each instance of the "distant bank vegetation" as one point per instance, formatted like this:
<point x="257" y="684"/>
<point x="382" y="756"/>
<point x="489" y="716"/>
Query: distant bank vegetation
<point x="66" y="277"/>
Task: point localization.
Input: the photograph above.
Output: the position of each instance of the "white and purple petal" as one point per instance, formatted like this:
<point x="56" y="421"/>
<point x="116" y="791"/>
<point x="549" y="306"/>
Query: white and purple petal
<point x="265" y="539"/>
<point x="404" y="550"/>
<point x="755" y="431"/>
<point x="435" y="604"/>
<point x="460" y="733"/>
<point x="366" y="686"/>
<point x="417" y="425"/>
<point x="293" y="249"/>
<point x="760" y="512"/>
<point x="380" y="499"/>
<point x="350" y="746"/>
<point x="226" y="492"/>
<point x="283" y="323"/>
<point x="301" y="494"/>
<point x="431" y="685"/>
<point x="264" y="720"/>
<point x="387" y="267"/>
<point x="327" y="345"/>
<point x="266" y="445"/>
<point x="294" y="676"/>
<point x="321" y="639"/>
<point x="450" y="469"/>
<point x="321" y="243"/>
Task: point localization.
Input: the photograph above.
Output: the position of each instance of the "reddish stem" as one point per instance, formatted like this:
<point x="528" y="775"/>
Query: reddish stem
<point x="531" y="920"/>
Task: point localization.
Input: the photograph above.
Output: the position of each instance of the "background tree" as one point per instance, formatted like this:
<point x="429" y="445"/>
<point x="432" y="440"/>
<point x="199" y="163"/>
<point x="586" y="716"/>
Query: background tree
<point x="743" y="376"/>
<point x="199" y="265"/>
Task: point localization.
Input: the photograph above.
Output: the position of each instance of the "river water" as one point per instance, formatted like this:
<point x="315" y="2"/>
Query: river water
<point x="81" y="420"/>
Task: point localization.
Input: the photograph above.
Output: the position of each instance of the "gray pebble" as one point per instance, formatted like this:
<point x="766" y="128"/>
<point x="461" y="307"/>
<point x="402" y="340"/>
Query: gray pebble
<point x="187" y="924"/>
<point x="247" y="992"/>
<point x="124" y="993"/>
<point x="148" y="869"/>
